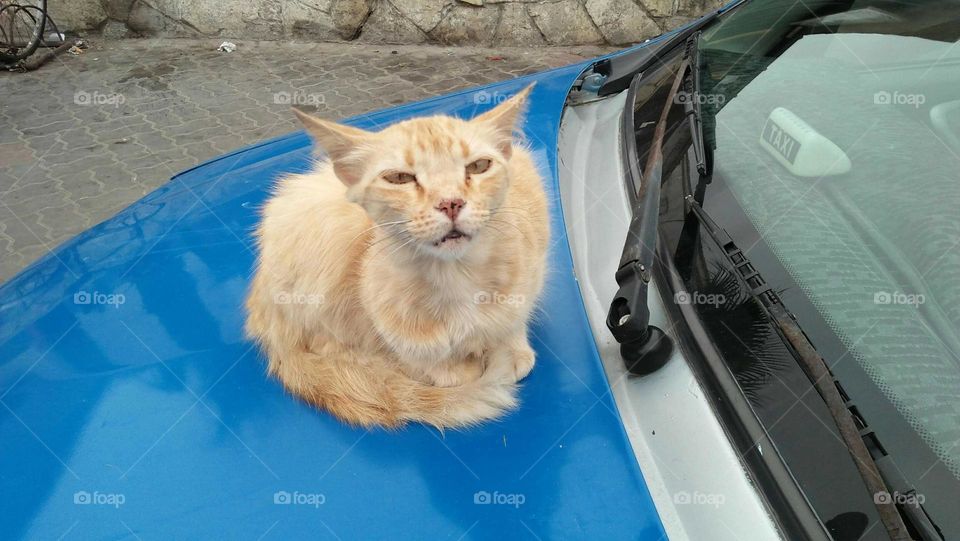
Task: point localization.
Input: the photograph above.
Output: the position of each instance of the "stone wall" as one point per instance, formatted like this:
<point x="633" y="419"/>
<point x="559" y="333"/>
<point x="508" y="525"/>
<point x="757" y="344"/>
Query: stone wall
<point x="451" y="22"/>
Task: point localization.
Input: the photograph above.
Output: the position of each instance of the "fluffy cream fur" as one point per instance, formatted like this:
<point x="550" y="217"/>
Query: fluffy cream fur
<point x="396" y="279"/>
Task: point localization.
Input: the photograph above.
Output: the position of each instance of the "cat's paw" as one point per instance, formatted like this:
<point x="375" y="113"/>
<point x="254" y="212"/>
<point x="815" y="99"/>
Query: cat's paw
<point x="452" y="374"/>
<point x="522" y="360"/>
<point x="511" y="362"/>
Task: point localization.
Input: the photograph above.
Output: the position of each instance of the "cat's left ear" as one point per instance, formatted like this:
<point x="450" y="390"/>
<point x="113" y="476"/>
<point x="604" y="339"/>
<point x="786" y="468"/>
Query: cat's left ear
<point x="341" y="144"/>
<point x="505" y="117"/>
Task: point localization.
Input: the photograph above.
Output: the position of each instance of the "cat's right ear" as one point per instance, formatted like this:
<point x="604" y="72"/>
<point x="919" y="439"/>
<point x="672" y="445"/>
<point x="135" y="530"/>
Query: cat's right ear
<point x="504" y="119"/>
<point x="340" y="142"/>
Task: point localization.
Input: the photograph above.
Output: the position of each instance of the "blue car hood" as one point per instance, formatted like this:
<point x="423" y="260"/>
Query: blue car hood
<point x="132" y="404"/>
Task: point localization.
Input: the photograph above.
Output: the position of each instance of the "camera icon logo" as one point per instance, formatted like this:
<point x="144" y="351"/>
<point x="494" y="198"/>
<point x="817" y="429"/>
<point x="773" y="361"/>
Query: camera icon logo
<point x="681" y="297"/>
<point x="482" y="497"/>
<point x="81" y="97"/>
<point x="81" y="498"/>
<point x="282" y="498"/>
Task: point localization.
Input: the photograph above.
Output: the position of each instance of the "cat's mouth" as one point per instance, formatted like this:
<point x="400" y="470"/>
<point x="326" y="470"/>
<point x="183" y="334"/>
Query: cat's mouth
<point x="455" y="236"/>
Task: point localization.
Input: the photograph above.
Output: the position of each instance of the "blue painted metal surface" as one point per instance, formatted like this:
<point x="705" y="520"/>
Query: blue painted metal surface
<point x="153" y="417"/>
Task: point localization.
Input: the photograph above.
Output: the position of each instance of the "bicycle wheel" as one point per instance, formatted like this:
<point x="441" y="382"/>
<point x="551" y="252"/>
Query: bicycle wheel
<point x="21" y="28"/>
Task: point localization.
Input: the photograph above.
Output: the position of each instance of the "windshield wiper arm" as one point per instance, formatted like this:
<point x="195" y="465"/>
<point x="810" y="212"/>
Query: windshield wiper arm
<point x="643" y="347"/>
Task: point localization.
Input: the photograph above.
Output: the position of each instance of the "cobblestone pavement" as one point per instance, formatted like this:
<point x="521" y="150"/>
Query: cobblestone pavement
<point x="85" y="136"/>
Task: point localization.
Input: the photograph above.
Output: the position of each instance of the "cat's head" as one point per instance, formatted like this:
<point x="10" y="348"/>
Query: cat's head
<point x="432" y="182"/>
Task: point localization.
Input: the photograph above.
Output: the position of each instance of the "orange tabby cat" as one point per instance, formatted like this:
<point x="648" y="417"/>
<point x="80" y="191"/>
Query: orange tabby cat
<point x="396" y="279"/>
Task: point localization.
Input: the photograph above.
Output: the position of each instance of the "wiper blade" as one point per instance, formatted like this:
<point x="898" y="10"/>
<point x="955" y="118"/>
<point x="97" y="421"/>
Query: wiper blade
<point x="813" y="365"/>
<point x="902" y="492"/>
<point x="643" y="347"/>
<point x="692" y="104"/>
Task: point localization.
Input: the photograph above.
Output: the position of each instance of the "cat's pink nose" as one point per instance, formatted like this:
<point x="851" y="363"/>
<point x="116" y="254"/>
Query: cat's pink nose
<point x="451" y="207"/>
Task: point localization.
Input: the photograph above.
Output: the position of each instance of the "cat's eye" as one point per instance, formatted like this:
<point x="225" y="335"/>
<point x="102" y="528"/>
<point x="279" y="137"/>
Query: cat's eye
<point x="478" y="166"/>
<point x="397" y="177"/>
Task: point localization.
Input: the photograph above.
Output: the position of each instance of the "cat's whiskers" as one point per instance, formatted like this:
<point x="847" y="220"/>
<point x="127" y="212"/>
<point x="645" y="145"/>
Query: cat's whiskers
<point x="391" y="235"/>
<point x="375" y="226"/>
<point x="524" y="235"/>
<point x="404" y="236"/>
<point x="510" y="215"/>
<point x="513" y="211"/>
<point x="495" y="228"/>
<point x="401" y="246"/>
<point x="388" y="240"/>
<point x="504" y="233"/>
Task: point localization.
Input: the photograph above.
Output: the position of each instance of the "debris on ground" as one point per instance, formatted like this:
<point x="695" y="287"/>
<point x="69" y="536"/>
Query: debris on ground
<point x="227" y="47"/>
<point x="77" y="46"/>
<point x="39" y="59"/>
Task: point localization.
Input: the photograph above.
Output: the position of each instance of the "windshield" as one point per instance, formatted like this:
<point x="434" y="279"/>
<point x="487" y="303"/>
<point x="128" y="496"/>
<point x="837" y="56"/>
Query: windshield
<point x="835" y="128"/>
